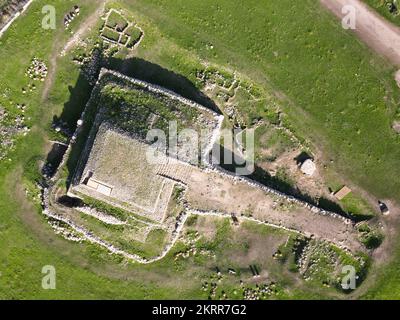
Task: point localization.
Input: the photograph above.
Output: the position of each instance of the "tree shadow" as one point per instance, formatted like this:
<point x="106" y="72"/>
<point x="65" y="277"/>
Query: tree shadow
<point x="53" y="159"/>
<point x="70" y="202"/>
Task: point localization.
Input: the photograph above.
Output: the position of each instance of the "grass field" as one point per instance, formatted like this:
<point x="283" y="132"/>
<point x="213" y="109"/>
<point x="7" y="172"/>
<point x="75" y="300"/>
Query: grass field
<point x="27" y="243"/>
<point x="333" y="89"/>
<point x="388" y="281"/>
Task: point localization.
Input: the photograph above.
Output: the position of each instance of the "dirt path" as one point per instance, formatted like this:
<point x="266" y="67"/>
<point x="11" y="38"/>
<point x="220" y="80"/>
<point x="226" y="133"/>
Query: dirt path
<point x="52" y="71"/>
<point x="378" y="33"/>
<point x="213" y="192"/>
<point x="84" y="27"/>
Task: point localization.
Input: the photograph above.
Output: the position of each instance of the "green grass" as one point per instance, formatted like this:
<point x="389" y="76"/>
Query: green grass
<point x="332" y="88"/>
<point x="339" y="108"/>
<point x="387" y="281"/>
<point x="115" y="20"/>
<point x="131" y="109"/>
<point x="357" y="207"/>
<point x="134" y="34"/>
<point x="271" y="143"/>
<point x="104" y="207"/>
<point x="123" y="39"/>
<point x="383" y="9"/>
<point x="110" y="34"/>
<point x="121" y="235"/>
<point x="288" y="253"/>
<point x="27" y="243"/>
<point x="109" y="209"/>
<point x="370" y="237"/>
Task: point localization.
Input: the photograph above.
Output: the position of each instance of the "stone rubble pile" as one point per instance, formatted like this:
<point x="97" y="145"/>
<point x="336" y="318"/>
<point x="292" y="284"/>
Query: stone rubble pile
<point x="37" y="70"/>
<point x="106" y="218"/>
<point x="66" y="233"/>
<point x="70" y="16"/>
<point x="259" y="292"/>
<point x="190" y="240"/>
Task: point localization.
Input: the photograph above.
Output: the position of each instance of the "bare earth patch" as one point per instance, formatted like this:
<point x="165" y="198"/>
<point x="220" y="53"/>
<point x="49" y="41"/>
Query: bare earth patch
<point x="314" y="185"/>
<point x="211" y="191"/>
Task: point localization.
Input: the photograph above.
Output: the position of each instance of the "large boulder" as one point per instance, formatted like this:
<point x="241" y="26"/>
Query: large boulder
<point x="308" y="167"/>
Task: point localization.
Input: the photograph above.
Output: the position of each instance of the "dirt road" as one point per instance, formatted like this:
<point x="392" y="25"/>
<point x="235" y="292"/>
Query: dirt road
<point x="379" y="34"/>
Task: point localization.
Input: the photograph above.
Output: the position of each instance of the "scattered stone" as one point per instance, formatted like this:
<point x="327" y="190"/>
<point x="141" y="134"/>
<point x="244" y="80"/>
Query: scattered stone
<point x="36" y="71"/>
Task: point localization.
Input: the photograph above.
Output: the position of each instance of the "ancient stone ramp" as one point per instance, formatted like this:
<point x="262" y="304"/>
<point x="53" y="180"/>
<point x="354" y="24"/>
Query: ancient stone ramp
<point x="214" y="191"/>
